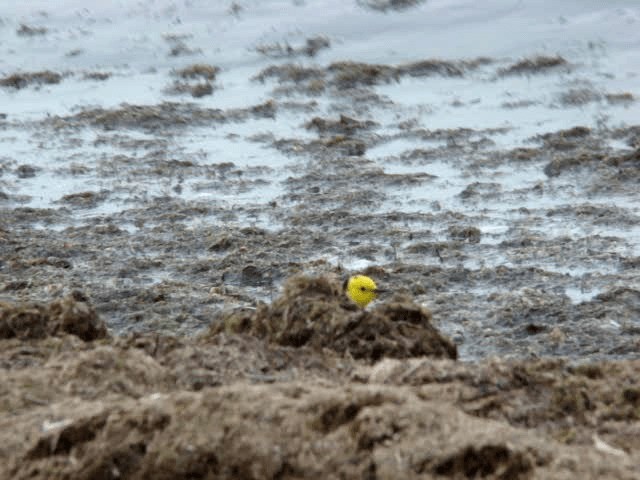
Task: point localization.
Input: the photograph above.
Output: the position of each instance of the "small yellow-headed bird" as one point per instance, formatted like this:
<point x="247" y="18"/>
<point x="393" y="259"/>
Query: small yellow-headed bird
<point x="361" y="289"/>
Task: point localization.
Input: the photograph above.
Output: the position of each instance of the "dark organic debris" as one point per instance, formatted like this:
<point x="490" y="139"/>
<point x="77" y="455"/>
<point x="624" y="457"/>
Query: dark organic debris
<point x="314" y="312"/>
<point x="195" y="80"/>
<point x="198" y="70"/>
<point x="152" y="406"/>
<point x="311" y="47"/>
<point x="345" y="125"/>
<point x="354" y="74"/>
<point x="624" y="98"/>
<point x="30" y="31"/>
<point x="196" y="90"/>
<point x="22" y="80"/>
<point x="26" y="171"/>
<point x="480" y="189"/>
<point x="290" y="73"/>
<point x="84" y="199"/>
<point x="350" y="75"/>
<point x="98" y="76"/>
<point x="465" y="233"/>
<point x="179" y="48"/>
<point x="444" y="68"/>
<point x="534" y="65"/>
<point x="166" y="115"/>
<point x="387" y="5"/>
<point x="577" y="97"/>
<point x="72" y="315"/>
<point x="626" y="166"/>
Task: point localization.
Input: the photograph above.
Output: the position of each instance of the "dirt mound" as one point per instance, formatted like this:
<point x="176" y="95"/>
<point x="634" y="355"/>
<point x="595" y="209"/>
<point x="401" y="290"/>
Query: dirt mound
<point x="237" y="406"/>
<point x="289" y="431"/>
<point x="71" y="314"/>
<point x="314" y="312"/>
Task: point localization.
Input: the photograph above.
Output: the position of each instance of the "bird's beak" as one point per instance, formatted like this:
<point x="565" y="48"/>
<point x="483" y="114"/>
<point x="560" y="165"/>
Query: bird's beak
<point x="381" y="290"/>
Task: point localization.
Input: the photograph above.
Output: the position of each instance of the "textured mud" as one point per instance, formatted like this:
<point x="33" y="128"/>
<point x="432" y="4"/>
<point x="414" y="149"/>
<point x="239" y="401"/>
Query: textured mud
<point x="234" y="406"/>
<point x="171" y="258"/>
<point x="314" y="312"/>
<point x="527" y="280"/>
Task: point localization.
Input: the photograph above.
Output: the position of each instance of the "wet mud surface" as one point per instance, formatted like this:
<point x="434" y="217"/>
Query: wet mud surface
<point x="515" y="263"/>
<point x="170" y="268"/>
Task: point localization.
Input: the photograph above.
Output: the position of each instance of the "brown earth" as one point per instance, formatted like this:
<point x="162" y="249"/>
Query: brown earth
<point x="216" y="383"/>
<point x="77" y="403"/>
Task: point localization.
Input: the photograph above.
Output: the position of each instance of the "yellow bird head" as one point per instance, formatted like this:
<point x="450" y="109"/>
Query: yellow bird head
<point x="361" y="289"/>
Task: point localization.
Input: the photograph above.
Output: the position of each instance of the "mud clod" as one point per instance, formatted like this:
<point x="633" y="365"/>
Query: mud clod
<point x="344" y="126"/>
<point x="467" y="234"/>
<point x="494" y="461"/>
<point x="198" y="70"/>
<point x="30" y="31"/>
<point x="83" y="199"/>
<point x="71" y="315"/>
<point x="539" y="64"/>
<point x="22" y="80"/>
<point x="311" y="47"/>
<point x="195" y="80"/>
<point x="577" y="97"/>
<point x="314" y="312"/>
<point x="354" y="74"/>
<point x="624" y="98"/>
<point x="26" y="171"/>
<point x="387" y="5"/>
<point x="97" y="76"/>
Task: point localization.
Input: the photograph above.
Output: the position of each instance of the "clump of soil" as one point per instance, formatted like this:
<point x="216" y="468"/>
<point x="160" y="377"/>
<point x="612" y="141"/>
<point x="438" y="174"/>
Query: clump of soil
<point x="98" y="76"/>
<point x="120" y="409"/>
<point x="311" y="47"/>
<point x="166" y="115"/>
<point x="196" y="90"/>
<point x="345" y="125"/>
<point x="444" y="68"/>
<point x="22" y="80"/>
<point x="354" y="75"/>
<point x="26" y="171"/>
<point x="198" y="70"/>
<point x="624" y="98"/>
<point x="539" y="64"/>
<point x="386" y="5"/>
<point x="290" y="73"/>
<point x="576" y="97"/>
<point x="30" y="31"/>
<point x="84" y="199"/>
<point x="624" y="167"/>
<point x="239" y="406"/>
<point x="314" y="312"/>
<point x="179" y="46"/>
<point x="72" y="315"/>
<point x="195" y="80"/>
<point x="465" y="233"/>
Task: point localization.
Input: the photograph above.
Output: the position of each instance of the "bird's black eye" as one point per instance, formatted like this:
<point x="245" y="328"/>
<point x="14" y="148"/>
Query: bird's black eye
<point x="364" y="289"/>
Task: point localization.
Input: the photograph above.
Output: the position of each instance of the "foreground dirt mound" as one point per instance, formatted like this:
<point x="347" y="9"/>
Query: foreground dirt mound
<point x="261" y="405"/>
<point x="236" y="406"/>
<point x="314" y="312"/>
<point x="288" y="431"/>
<point x="71" y="314"/>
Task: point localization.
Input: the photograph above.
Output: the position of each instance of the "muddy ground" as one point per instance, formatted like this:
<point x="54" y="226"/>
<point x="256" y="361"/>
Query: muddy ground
<point x="348" y="393"/>
<point x="541" y="285"/>
<point x="170" y="311"/>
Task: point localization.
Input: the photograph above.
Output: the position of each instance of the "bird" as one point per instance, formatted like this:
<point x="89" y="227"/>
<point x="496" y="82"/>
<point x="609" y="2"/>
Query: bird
<point x="361" y="289"/>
